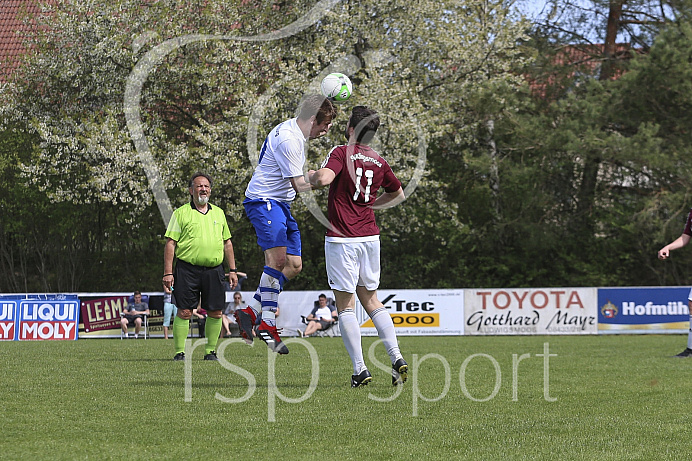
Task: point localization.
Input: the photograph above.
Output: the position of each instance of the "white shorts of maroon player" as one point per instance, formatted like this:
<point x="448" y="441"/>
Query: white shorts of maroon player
<point x="353" y="262"/>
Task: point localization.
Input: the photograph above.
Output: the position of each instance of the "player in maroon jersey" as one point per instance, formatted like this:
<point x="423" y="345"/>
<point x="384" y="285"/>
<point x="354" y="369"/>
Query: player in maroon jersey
<point x="664" y="253"/>
<point x="355" y="173"/>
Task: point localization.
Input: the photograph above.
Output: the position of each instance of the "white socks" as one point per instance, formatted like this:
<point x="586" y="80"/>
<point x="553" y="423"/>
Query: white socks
<point x="350" y="333"/>
<point x="385" y="329"/>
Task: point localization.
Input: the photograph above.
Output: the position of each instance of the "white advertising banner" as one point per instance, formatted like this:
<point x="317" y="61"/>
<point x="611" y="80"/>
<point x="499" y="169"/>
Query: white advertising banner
<point x="419" y="312"/>
<point x="531" y="311"/>
<point x="414" y="312"/>
<point x="293" y="305"/>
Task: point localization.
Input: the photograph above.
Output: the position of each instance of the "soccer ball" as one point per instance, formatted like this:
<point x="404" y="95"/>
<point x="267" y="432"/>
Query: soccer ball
<point x="336" y="87"/>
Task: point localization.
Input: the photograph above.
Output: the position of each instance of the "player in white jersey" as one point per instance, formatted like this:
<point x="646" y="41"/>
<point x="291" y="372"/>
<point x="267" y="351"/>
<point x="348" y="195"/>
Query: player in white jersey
<point x="274" y="184"/>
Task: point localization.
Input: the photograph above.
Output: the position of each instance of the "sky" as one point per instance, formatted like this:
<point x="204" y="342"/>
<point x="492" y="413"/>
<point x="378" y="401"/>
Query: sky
<point x="530" y="8"/>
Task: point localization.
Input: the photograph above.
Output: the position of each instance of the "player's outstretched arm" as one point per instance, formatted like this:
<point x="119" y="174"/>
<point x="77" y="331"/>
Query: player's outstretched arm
<point x="680" y="242"/>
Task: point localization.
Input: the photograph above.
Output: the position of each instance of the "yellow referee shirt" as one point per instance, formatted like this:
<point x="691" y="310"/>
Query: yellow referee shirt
<point x="199" y="237"/>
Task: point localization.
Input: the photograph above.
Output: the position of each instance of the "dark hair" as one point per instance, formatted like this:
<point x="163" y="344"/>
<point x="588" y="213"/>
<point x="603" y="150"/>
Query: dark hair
<point x="322" y="295"/>
<point x="137" y="293"/>
<point x="197" y="175"/>
<point x="366" y="122"/>
<point x="319" y="106"/>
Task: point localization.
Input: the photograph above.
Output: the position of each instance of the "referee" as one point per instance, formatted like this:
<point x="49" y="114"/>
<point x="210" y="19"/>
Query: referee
<point x="199" y="240"/>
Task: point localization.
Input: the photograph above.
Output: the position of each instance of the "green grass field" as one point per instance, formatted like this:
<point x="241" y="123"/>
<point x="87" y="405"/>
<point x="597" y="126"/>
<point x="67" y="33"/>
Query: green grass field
<point x="595" y="397"/>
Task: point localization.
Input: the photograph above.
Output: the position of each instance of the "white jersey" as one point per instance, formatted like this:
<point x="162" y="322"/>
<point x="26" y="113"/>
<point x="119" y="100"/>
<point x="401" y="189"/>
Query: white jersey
<point x="282" y="157"/>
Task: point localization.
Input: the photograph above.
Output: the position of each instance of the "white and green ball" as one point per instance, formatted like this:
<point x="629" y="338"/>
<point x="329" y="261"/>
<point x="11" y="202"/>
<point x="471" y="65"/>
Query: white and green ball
<point x="337" y="87"/>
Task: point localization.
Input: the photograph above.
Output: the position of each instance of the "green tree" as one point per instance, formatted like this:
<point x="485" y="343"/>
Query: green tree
<point x="207" y="101"/>
<point x="600" y="165"/>
<point x="560" y="184"/>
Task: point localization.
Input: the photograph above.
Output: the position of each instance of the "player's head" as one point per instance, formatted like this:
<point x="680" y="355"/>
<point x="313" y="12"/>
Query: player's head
<point x="197" y="175"/>
<point x="364" y="123"/>
<point x="320" y="112"/>
<point x="200" y="188"/>
<point x="137" y="297"/>
<point x="322" y="299"/>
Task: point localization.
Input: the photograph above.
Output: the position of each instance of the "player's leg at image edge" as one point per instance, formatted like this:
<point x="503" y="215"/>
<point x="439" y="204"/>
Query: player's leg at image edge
<point x="688" y="351"/>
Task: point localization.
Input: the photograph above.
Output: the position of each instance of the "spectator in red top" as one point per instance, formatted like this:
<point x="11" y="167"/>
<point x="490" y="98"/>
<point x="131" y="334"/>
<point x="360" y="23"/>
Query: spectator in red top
<point x="200" y="315"/>
<point x="355" y="173"/>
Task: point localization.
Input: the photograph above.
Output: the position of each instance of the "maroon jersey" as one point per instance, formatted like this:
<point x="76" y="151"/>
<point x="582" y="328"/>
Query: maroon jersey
<point x="360" y="172"/>
<point x="688" y="225"/>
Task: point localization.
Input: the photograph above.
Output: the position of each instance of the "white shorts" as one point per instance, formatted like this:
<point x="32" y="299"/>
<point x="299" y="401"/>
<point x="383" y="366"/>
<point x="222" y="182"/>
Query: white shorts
<point x="351" y="264"/>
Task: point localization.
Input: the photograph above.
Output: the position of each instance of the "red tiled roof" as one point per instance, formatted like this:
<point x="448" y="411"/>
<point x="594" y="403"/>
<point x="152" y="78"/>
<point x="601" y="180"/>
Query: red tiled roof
<point x="12" y="32"/>
<point x="580" y="59"/>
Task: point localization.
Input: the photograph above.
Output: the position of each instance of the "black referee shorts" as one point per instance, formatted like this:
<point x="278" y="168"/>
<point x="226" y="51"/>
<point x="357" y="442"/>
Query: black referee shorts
<point x="192" y="282"/>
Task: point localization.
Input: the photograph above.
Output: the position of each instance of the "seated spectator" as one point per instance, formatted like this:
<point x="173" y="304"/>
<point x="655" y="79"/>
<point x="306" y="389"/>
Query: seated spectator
<point x="321" y="317"/>
<point x="133" y="313"/>
<point x="200" y="315"/>
<point x="228" y="311"/>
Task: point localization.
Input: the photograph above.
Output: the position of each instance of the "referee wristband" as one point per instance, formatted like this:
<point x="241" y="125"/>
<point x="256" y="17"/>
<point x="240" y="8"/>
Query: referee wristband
<point x="166" y="275"/>
<point x="232" y="270"/>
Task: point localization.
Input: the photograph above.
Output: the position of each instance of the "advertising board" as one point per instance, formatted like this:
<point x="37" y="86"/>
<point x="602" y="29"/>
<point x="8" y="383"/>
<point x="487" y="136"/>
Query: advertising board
<point x="530" y="311"/>
<point x="643" y="310"/>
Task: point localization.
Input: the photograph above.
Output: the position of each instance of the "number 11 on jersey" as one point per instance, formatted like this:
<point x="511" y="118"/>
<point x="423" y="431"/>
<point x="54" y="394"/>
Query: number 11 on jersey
<point x="359" y="175"/>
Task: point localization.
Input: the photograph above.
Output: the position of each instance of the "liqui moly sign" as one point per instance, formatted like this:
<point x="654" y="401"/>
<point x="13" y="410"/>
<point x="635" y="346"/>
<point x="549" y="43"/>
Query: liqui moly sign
<point x="39" y="317"/>
<point x="8" y="310"/>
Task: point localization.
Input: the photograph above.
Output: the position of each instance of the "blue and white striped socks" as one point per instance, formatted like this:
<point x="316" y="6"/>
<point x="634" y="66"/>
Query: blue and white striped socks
<point x="267" y="294"/>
